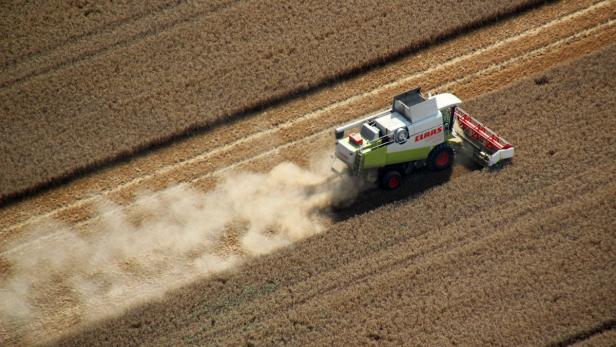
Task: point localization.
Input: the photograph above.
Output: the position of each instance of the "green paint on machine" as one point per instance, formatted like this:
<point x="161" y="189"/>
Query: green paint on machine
<point x="379" y="157"/>
<point x="374" y="157"/>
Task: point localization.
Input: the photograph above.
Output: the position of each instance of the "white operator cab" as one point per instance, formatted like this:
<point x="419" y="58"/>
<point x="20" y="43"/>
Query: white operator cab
<point x="424" y="122"/>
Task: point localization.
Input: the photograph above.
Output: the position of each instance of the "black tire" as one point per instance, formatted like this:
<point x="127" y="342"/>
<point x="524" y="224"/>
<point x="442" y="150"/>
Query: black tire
<point x="441" y="157"/>
<point x="391" y="179"/>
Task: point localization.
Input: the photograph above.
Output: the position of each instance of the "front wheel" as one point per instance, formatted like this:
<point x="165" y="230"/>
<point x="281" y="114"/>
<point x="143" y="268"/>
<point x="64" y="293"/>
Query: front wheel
<point x="441" y="157"/>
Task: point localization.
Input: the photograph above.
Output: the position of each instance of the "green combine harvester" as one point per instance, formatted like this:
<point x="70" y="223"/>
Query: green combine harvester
<point x="416" y="132"/>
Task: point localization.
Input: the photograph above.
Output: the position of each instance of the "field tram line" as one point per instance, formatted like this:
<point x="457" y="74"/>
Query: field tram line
<point x="379" y="63"/>
<point x="148" y="93"/>
<point x="317" y="113"/>
<point x="278" y="149"/>
<point x="496" y="67"/>
<point x="312" y="137"/>
<point x="402" y="264"/>
<point x="591" y="6"/>
<point x="419" y="235"/>
<point x="122" y="43"/>
<point x="266" y="154"/>
<point x="532" y="4"/>
<point x="594" y="177"/>
<point x="105" y="28"/>
<point x="345" y="102"/>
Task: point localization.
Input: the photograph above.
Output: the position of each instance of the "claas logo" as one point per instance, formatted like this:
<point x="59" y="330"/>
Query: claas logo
<point x="428" y="134"/>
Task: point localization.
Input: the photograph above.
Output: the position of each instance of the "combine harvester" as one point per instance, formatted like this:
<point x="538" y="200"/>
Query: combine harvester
<point x="416" y="132"/>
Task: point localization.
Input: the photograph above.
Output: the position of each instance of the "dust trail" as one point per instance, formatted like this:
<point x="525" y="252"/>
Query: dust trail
<point x="166" y="239"/>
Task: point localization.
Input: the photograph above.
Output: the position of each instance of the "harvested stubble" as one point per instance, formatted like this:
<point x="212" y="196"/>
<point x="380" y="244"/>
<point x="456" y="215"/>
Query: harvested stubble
<point x="522" y="256"/>
<point x="33" y="28"/>
<point x="185" y="73"/>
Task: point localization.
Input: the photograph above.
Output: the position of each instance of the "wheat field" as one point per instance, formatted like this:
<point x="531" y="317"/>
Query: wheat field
<point x="229" y="229"/>
<point x="528" y="259"/>
<point x="134" y="76"/>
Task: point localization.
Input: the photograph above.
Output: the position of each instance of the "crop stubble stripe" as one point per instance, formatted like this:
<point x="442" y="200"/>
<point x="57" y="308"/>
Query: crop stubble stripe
<point x="308" y="138"/>
<point x="341" y="103"/>
<point x="128" y="42"/>
<point x="388" y="267"/>
<point x="162" y="28"/>
<point x="271" y="152"/>
<point x="406" y="261"/>
<point x="535" y="52"/>
<point x="269" y="102"/>
<point x="310" y="116"/>
<point x="489" y="69"/>
<point x="118" y="44"/>
<point x="105" y="28"/>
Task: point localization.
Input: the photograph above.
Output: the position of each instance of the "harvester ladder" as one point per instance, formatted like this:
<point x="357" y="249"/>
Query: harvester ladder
<point x="359" y="162"/>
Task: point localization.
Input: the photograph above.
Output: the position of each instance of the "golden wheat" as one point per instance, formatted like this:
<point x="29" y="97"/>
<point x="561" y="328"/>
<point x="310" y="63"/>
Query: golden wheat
<point x="69" y="109"/>
<point x="522" y="256"/>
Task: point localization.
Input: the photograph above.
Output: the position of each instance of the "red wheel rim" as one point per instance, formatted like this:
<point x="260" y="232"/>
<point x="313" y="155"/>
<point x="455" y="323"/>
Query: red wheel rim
<point x="393" y="182"/>
<point x="442" y="159"/>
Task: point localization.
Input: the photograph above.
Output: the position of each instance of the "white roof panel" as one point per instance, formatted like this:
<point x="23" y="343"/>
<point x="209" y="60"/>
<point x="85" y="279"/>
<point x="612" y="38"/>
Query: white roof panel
<point x="446" y="100"/>
<point x="423" y="110"/>
<point x="391" y="122"/>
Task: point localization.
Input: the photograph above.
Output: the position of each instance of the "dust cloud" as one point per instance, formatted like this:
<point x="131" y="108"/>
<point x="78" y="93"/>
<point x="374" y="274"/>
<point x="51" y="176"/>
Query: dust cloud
<point x="161" y="241"/>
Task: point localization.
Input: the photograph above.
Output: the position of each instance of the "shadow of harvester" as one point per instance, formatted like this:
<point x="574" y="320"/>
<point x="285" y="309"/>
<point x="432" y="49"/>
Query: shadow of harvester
<point x="413" y="185"/>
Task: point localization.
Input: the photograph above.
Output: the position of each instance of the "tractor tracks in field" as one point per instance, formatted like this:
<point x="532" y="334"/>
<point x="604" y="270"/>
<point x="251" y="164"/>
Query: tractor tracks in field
<point x="396" y="255"/>
<point x="106" y="27"/>
<point x="304" y="281"/>
<point x="294" y="146"/>
<point x="441" y="67"/>
<point x="82" y="47"/>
